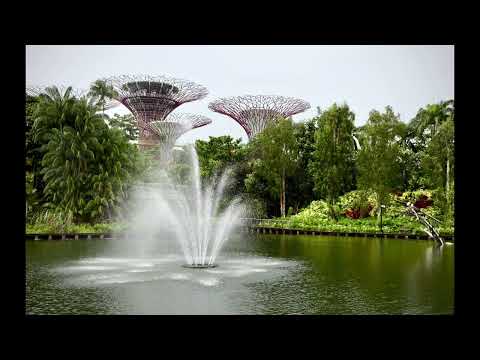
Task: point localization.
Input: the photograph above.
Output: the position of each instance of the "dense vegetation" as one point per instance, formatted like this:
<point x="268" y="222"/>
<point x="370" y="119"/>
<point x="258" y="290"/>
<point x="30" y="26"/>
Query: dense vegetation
<point x="78" y="168"/>
<point x="331" y="175"/>
<point x="323" y="173"/>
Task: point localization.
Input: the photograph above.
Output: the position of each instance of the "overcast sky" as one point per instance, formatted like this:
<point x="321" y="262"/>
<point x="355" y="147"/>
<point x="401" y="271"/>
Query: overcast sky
<point x="365" y="77"/>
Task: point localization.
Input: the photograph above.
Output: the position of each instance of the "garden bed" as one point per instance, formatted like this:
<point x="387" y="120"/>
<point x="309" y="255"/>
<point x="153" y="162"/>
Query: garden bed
<point x="290" y="231"/>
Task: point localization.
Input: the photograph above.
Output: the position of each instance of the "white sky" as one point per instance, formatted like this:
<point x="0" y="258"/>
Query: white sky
<point x="366" y="77"/>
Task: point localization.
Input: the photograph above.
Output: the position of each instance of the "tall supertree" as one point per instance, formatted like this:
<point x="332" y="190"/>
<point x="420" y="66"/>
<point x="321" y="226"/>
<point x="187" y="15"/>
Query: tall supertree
<point x="254" y="112"/>
<point x="152" y="98"/>
<point x="165" y="133"/>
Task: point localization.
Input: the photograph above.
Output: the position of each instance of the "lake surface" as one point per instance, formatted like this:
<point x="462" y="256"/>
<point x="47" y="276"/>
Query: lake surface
<point x="257" y="274"/>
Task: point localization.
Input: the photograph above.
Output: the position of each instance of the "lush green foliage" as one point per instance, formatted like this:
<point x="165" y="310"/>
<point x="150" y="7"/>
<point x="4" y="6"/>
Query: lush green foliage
<point x="126" y="123"/>
<point x="316" y="215"/>
<point x="276" y="152"/>
<point x="101" y="91"/>
<point x="79" y="164"/>
<point x="61" y="228"/>
<point x="333" y="163"/>
<point x="378" y="160"/>
<point x="300" y="184"/>
<point x="363" y="200"/>
<point x="404" y="224"/>
<point x="86" y="166"/>
<point x="218" y="153"/>
<point x="225" y="154"/>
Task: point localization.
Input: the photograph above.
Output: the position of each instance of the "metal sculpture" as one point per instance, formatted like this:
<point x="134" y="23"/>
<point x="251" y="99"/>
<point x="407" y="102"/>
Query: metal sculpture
<point x="423" y="218"/>
<point x="255" y="112"/>
<point x="152" y="98"/>
<point x="165" y="133"/>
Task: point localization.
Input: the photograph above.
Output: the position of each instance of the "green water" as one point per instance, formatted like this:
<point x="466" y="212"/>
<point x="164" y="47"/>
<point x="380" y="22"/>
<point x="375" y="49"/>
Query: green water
<point x="257" y="274"/>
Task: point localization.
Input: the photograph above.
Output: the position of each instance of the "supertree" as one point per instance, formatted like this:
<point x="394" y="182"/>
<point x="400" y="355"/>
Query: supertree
<point x="165" y="133"/>
<point x="152" y="98"/>
<point x="254" y="112"/>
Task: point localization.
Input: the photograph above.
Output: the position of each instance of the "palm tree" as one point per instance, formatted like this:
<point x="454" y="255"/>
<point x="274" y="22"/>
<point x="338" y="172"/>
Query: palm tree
<point x="54" y="110"/>
<point x="101" y="90"/>
<point x="428" y="120"/>
<point x="87" y="165"/>
<point x="68" y="160"/>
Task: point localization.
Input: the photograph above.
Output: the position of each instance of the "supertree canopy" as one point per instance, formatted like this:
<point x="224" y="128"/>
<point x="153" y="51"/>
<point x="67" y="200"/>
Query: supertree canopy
<point x="254" y="112"/>
<point x="165" y="133"/>
<point x="152" y="98"/>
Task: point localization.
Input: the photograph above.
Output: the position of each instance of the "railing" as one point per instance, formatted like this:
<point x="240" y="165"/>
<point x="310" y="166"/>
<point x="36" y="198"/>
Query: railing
<point x="255" y="221"/>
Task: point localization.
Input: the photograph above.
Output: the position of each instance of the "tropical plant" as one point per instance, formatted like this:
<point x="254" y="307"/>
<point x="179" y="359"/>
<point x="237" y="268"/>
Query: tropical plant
<point x="276" y="152"/>
<point x="379" y="159"/>
<point x="428" y="120"/>
<point x="102" y="91"/>
<point x="126" y="123"/>
<point x="218" y="153"/>
<point x="333" y="163"/>
<point x="86" y="166"/>
<point x="300" y="184"/>
<point x="438" y="162"/>
<point x="358" y="204"/>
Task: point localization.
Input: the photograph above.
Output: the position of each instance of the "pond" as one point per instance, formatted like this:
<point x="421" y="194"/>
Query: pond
<point x="256" y="274"/>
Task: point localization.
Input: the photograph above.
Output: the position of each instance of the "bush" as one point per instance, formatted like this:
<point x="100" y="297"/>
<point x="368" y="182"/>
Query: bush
<point x="52" y="219"/>
<point x="358" y="204"/>
<point x="317" y="209"/>
<point x="315" y="217"/>
<point x="421" y="198"/>
<point x="55" y="222"/>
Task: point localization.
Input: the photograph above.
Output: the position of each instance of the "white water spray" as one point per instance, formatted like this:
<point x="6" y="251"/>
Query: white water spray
<point x="194" y="214"/>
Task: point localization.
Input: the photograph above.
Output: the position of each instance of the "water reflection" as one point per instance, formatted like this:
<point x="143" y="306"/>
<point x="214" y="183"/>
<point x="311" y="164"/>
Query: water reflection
<point x="258" y="274"/>
<point x="361" y="276"/>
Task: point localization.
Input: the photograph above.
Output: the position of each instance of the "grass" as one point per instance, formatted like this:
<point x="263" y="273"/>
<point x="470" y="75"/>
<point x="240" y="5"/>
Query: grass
<point x="75" y="228"/>
<point x="391" y="225"/>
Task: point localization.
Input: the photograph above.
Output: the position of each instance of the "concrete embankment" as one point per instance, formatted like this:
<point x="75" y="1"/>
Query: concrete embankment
<point x="255" y="229"/>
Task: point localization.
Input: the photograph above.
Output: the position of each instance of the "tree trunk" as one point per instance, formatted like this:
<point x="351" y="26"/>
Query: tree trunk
<point x="379" y="218"/>
<point x="282" y="195"/>
<point x="448" y="174"/>
<point x="109" y="213"/>
<point x="333" y="213"/>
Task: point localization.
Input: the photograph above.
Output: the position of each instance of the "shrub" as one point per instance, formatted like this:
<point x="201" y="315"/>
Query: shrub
<point x="317" y="209"/>
<point x="357" y="204"/>
<point x="421" y="198"/>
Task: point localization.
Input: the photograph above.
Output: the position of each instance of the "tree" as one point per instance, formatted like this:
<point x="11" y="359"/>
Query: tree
<point x="217" y="153"/>
<point x="300" y="183"/>
<point x="101" y="90"/>
<point x="221" y="153"/>
<point x="276" y="152"/>
<point x="379" y="159"/>
<point x="261" y="187"/>
<point x="332" y="165"/>
<point x="427" y="121"/>
<point x="53" y="110"/>
<point x="431" y="139"/>
<point x="33" y="158"/>
<point x="438" y="164"/>
<point x="125" y="123"/>
<point x="86" y="166"/>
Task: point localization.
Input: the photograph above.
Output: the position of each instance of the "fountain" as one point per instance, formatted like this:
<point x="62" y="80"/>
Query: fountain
<point x="192" y="213"/>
